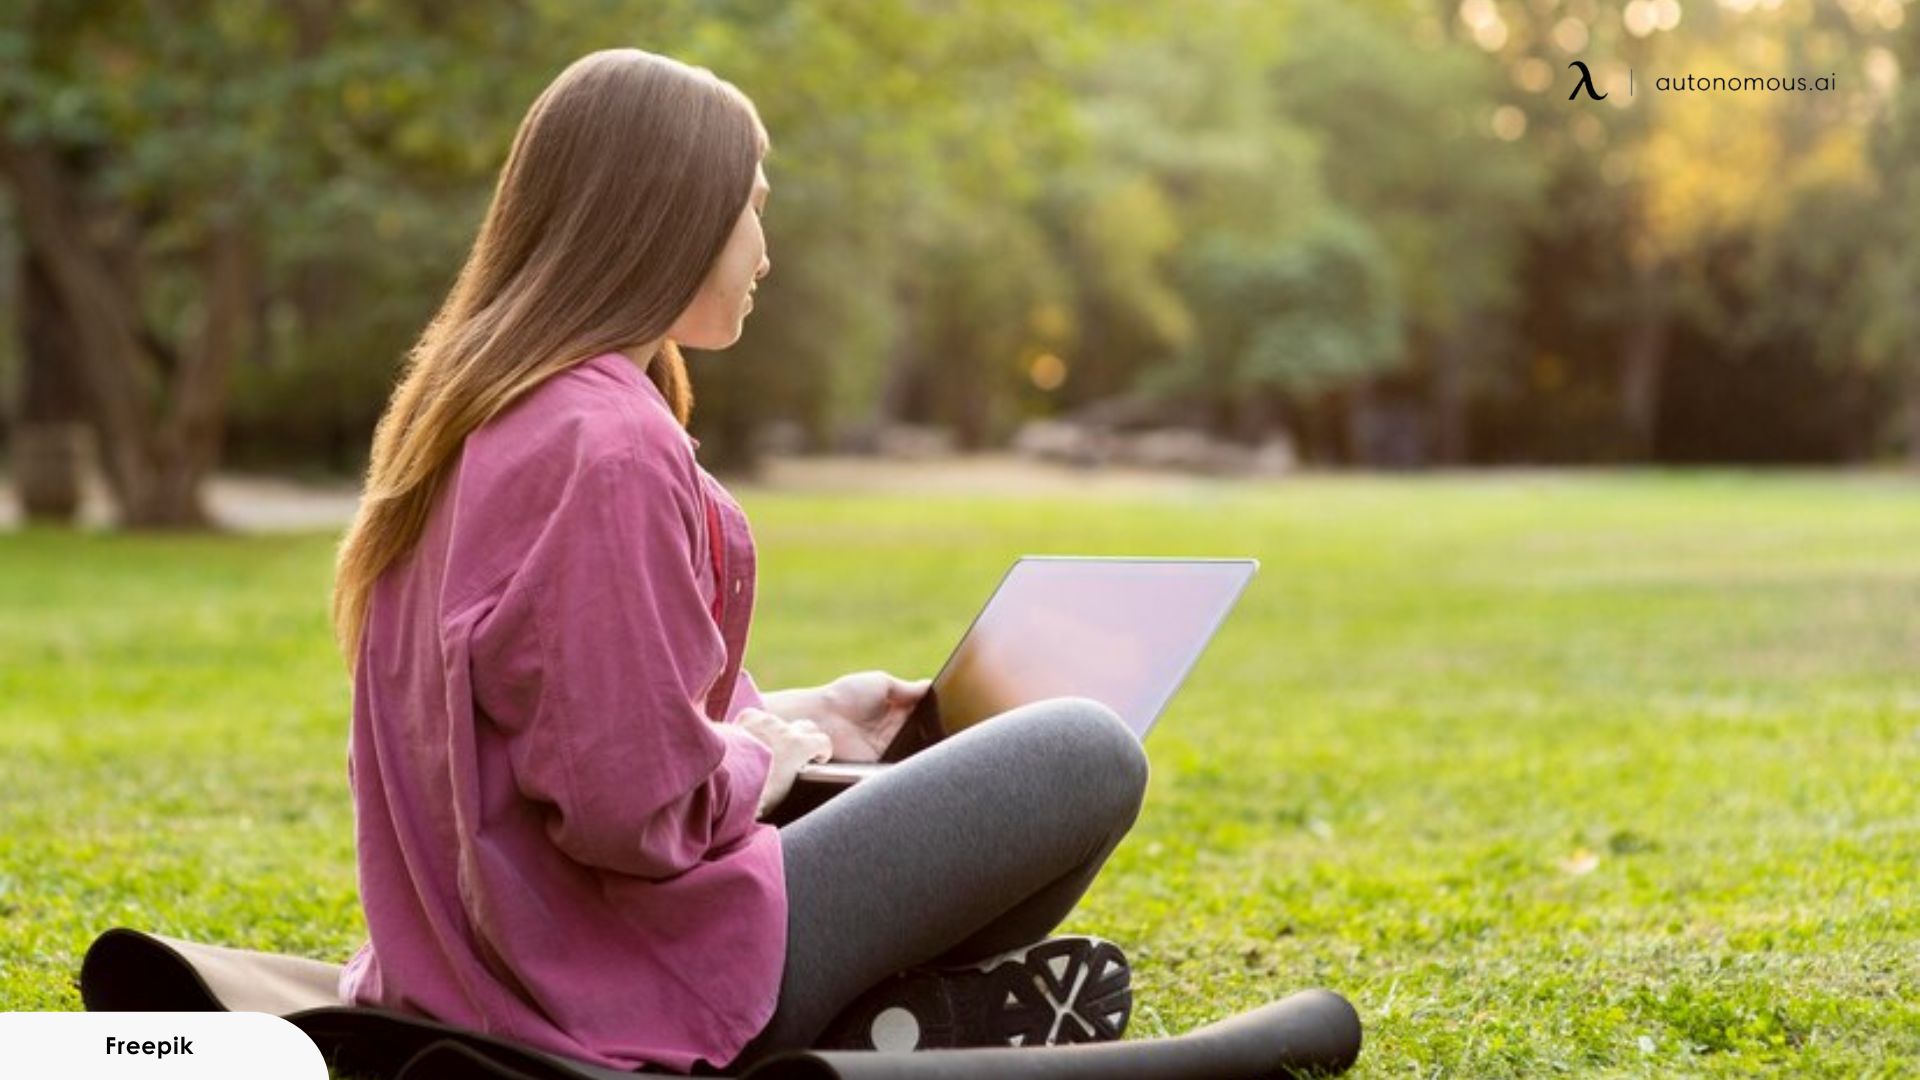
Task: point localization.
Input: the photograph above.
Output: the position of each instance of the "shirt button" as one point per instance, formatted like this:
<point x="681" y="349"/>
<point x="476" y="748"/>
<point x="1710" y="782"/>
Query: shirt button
<point x="737" y="583"/>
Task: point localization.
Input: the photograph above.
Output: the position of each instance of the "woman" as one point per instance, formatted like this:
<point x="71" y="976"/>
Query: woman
<point x="559" y="765"/>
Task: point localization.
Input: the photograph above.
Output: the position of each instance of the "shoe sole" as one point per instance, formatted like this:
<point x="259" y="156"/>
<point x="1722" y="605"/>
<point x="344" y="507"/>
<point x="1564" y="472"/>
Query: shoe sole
<point x="1060" y="991"/>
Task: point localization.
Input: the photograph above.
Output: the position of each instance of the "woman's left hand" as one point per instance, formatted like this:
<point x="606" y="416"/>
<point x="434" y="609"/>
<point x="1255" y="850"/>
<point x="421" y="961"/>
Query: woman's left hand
<point x="863" y="711"/>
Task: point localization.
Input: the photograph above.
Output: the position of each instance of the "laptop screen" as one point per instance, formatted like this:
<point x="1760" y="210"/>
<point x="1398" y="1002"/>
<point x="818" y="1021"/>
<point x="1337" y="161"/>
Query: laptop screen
<point x="1124" y="632"/>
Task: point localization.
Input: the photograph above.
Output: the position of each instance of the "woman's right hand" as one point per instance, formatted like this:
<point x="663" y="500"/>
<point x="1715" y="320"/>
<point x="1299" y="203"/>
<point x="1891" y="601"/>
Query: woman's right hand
<point x="794" y="743"/>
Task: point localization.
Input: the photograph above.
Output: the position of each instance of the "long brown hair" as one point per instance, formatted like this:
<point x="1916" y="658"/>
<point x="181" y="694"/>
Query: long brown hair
<point x="624" y="182"/>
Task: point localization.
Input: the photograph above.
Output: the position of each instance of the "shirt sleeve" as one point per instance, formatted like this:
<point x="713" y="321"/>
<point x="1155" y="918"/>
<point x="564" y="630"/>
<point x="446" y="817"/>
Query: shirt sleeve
<point x="594" y="664"/>
<point x="746" y="695"/>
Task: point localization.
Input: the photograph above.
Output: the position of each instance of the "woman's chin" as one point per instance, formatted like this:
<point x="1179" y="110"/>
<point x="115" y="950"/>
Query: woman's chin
<point x="714" y="342"/>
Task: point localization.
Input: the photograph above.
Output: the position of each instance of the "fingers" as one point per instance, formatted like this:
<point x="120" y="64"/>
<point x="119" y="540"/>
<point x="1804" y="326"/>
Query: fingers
<point x="821" y="746"/>
<point x="764" y="727"/>
<point x="749" y="713"/>
<point x="904" y="690"/>
<point x="809" y="738"/>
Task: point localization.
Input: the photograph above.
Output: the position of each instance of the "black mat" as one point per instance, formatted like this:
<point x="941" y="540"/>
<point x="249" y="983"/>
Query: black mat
<point x="1311" y="1033"/>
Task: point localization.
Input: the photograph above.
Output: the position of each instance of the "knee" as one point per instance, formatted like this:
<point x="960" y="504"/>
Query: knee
<point x="1104" y="752"/>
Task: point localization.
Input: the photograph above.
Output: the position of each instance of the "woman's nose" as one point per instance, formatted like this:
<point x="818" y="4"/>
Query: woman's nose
<point x="766" y="267"/>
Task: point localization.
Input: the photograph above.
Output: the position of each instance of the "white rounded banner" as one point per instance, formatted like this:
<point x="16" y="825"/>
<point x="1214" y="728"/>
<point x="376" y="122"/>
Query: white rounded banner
<point x="176" y="1046"/>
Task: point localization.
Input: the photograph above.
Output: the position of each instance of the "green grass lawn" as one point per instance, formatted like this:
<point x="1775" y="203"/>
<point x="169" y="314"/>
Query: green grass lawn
<point x="1595" y="775"/>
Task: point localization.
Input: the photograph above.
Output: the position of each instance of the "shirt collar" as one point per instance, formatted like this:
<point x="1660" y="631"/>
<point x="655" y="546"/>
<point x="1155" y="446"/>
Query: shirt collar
<point x="624" y="369"/>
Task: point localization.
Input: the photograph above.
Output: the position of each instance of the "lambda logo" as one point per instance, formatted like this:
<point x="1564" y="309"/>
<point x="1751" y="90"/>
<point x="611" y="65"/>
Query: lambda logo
<point x="1586" y="81"/>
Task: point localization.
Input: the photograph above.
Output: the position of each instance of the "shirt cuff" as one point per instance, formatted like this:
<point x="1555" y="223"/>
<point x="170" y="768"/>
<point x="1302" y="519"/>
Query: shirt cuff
<point x="747" y="763"/>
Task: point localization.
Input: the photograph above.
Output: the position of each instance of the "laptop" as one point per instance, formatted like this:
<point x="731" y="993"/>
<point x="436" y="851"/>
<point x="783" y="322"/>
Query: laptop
<point x="1122" y="631"/>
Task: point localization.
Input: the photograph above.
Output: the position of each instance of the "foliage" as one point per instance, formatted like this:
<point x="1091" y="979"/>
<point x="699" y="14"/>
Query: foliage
<point x="1309" y="314"/>
<point x="962" y="189"/>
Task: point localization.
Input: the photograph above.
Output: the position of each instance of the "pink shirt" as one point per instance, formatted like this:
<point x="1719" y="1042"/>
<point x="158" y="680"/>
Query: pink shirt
<point x="554" y="813"/>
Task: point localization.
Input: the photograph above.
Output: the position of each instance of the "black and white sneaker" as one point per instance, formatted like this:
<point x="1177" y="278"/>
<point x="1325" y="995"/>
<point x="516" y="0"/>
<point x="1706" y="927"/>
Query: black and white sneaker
<point x="1061" y="990"/>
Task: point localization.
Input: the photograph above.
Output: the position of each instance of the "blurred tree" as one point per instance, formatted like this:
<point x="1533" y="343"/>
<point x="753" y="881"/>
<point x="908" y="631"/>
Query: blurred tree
<point x="1249" y="124"/>
<point x="1417" y="149"/>
<point x="46" y="444"/>
<point x="1297" y="213"/>
<point x="1810" y="237"/>
<point x="1282" y="325"/>
<point x="904" y="136"/>
<point x="1687" y="214"/>
<point x="395" y="120"/>
<point x="76" y="96"/>
<point x="1703" y="178"/>
<point x="1888" y="310"/>
<point x="1116" y="231"/>
<point x="1195" y="181"/>
<point x="151" y="151"/>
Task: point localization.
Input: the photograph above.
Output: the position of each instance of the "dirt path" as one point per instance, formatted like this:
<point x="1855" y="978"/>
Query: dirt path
<point x="995" y="474"/>
<point x="271" y="504"/>
<point x="244" y="503"/>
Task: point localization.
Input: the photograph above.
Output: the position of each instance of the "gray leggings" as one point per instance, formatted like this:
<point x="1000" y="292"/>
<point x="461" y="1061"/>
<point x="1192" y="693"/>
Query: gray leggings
<point x="979" y="844"/>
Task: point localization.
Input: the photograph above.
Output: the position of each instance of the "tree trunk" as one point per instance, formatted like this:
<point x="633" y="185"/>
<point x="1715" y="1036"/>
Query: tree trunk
<point x="1451" y="383"/>
<point x="969" y="393"/>
<point x="186" y="446"/>
<point x="107" y="338"/>
<point x="1643" y="366"/>
<point x="48" y="440"/>
<point x="1253" y="416"/>
<point x="901" y="388"/>
<point x="1913" y="418"/>
<point x="1340" y="421"/>
<point x="315" y="288"/>
<point x="154" y="467"/>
